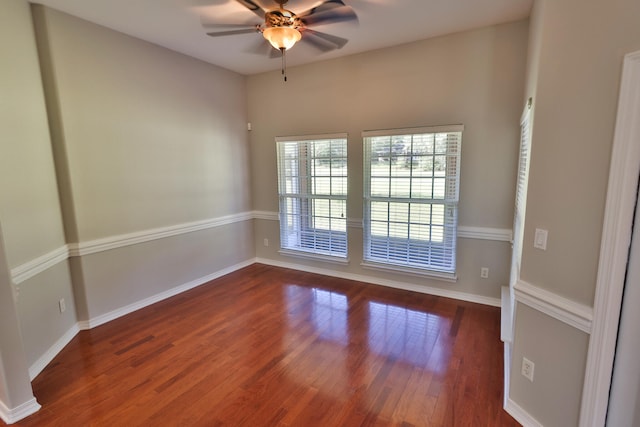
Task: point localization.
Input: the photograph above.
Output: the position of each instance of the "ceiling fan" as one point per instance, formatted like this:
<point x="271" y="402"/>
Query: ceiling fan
<point x="283" y="29"/>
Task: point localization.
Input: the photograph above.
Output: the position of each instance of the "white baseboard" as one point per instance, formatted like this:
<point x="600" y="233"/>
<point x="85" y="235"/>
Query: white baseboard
<point x="53" y="351"/>
<point x="13" y="415"/>
<point x="112" y="315"/>
<point x="507" y="373"/>
<point x="520" y="415"/>
<point x="388" y="283"/>
<point x="506" y="316"/>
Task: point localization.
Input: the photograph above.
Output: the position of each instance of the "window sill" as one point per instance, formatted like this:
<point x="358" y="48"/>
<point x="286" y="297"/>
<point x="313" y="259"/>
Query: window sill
<point x="445" y="277"/>
<point x="315" y="257"/>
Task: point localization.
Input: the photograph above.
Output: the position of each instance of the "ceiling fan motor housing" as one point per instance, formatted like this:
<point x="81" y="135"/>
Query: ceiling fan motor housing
<point x="283" y="28"/>
<point x="281" y="18"/>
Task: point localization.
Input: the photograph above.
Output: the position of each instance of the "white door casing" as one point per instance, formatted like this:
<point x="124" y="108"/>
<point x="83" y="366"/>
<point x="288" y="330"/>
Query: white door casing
<point x="623" y="409"/>
<point x="614" y="248"/>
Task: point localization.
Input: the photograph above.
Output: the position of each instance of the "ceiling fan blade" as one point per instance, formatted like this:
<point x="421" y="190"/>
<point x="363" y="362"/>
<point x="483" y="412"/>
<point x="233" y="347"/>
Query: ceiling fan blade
<point x="253" y="7"/>
<point x="259" y="48"/>
<point x="274" y="53"/>
<point x="253" y="29"/>
<point x="211" y="26"/>
<point x="318" y="39"/>
<point x="265" y="49"/>
<point x="317" y="43"/>
<point x="329" y="12"/>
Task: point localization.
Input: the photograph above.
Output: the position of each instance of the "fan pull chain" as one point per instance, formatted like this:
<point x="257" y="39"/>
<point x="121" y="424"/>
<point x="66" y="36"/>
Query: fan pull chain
<point x="284" y="63"/>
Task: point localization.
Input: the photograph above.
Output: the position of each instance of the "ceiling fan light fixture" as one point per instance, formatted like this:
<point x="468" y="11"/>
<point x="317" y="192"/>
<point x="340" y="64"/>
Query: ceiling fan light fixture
<point x="282" y="37"/>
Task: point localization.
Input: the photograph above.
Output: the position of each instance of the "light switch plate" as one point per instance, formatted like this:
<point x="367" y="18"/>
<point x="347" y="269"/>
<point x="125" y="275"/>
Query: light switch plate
<point x="540" y="239"/>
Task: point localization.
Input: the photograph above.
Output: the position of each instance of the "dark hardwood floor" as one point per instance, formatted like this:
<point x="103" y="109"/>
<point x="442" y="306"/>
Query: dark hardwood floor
<point x="266" y="346"/>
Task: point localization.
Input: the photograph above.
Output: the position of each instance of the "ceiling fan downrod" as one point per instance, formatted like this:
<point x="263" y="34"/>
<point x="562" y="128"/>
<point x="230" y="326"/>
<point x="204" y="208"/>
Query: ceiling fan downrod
<point x="284" y="63"/>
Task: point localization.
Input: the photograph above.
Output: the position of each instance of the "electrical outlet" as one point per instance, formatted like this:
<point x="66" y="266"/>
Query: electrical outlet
<point x="266" y="242"/>
<point x="62" y="305"/>
<point x="527" y="368"/>
<point x="484" y="272"/>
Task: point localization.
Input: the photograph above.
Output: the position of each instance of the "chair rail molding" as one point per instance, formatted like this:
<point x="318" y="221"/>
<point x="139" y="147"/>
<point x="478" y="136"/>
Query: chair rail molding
<point x="568" y="311"/>
<point x="122" y="240"/>
<point x="464" y="232"/>
<point x="37" y="265"/>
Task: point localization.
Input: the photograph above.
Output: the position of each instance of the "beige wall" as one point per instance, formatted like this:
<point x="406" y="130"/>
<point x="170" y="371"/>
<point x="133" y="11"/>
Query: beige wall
<point x="553" y="398"/>
<point x="15" y="388"/>
<point x="141" y="138"/>
<point x="151" y="268"/>
<point x="533" y="50"/>
<point x="475" y="78"/>
<point x="144" y="138"/>
<point x="575" y="109"/>
<point x="41" y="322"/>
<point x="578" y="49"/>
<point x="29" y="205"/>
<point x="152" y="138"/>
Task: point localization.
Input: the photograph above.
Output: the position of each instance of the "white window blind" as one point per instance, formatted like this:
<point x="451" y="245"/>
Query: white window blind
<point x="411" y="186"/>
<point x="521" y="195"/>
<point x="312" y="184"/>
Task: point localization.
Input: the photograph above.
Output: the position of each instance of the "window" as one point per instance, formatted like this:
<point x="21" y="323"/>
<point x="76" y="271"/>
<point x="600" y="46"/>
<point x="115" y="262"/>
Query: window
<point x="411" y="181"/>
<point x="312" y="184"/>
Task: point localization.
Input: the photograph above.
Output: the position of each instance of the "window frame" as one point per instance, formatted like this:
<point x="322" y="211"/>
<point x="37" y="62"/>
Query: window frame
<point x="310" y="240"/>
<point x="398" y="259"/>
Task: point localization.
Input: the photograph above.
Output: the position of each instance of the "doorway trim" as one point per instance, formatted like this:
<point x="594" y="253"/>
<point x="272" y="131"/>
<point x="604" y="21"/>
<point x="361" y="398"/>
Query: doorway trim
<point x="614" y="248"/>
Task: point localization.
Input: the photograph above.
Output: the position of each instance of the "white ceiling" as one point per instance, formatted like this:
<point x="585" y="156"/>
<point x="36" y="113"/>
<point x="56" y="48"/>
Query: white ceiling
<point x="176" y="24"/>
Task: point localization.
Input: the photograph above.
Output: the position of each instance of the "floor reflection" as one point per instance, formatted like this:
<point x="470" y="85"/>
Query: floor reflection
<point x="327" y="311"/>
<point x="407" y="335"/>
<point x="317" y="338"/>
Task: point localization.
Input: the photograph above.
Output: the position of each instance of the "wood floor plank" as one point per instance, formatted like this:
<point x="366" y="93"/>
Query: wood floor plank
<point x="267" y="346"/>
